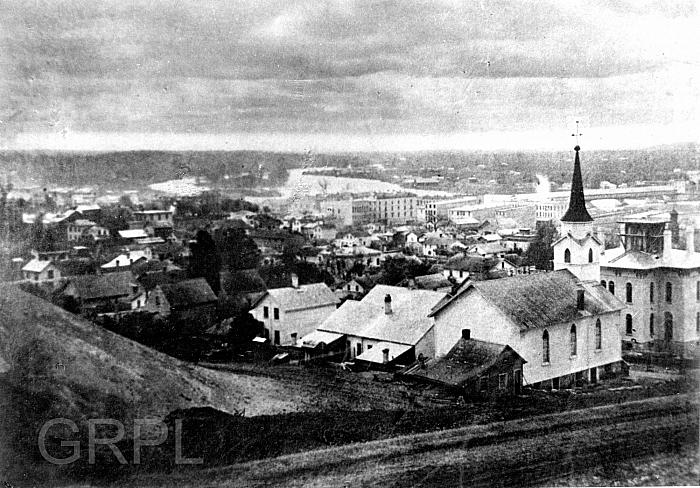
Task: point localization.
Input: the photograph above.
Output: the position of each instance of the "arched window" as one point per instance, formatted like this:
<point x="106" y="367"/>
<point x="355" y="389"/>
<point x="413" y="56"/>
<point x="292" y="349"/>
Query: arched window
<point x="628" y="324"/>
<point x="545" y="347"/>
<point x="668" y="326"/>
<point x="697" y="322"/>
<point x="611" y="286"/>
<point x="628" y="292"/>
<point x="604" y="284"/>
<point x="572" y="339"/>
<point x="598" y="335"/>
<point x="590" y="255"/>
<point x="669" y="292"/>
<point x="651" y="325"/>
<point x="567" y="256"/>
<point x="651" y="292"/>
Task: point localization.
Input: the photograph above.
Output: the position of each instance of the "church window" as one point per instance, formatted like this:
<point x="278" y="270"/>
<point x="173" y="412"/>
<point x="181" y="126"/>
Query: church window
<point x="628" y="292"/>
<point x="628" y="324"/>
<point x="545" y="347"/>
<point x="598" y="335"/>
<point x="567" y="256"/>
<point x="572" y="339"/>
<point x="669" y="292"/>
<point x="611" y="287"/>
<point x="590" y="255"/>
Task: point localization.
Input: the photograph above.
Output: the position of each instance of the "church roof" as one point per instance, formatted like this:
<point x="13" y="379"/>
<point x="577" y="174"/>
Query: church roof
<point x="577" y="203"/>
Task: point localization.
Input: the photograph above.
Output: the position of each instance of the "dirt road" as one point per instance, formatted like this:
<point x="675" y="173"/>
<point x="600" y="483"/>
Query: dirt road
<point x="514" y="453"/>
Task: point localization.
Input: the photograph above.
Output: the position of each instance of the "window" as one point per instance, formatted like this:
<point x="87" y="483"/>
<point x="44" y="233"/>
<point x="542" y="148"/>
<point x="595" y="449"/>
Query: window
<point x="157" y="301"/>
<point x="567" y="256"/>
<point x="628" y="324"/>
<point x="697" y="322"/>
<point x="359" y="349"/>
<point x="50" y="274"/>
<point x="572" y="339"/>
<point x="628" y="292"/>
<point x="357" y="287"/>
<point x="668" y="326"/>
<point x="545" y="347"/>
<point x="483" y="383"/>
<point x="598" y="335"/>
<point x="266" y="312"/>
<point x="651" y="325"/>
<point x="604" y="284"/>
<point x="502" y="381"/>
<point x="611" y="287"/>
<point x="277" y="337"/>
<point x="651" y="292"/>
<point x="590" y="255"/>
<point x="697" y="291"/>
<point x="669" y="292"/>
<point x="276" y="313"/>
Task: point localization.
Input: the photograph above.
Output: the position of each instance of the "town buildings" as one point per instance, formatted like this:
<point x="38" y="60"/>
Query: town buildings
<point x="660" y="286"/>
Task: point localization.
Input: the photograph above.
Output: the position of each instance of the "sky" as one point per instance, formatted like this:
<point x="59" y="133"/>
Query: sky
<point x="345" y="75"/>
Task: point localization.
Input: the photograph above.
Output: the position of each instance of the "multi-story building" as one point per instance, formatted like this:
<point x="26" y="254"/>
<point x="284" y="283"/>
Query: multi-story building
<point x="433" y="210"/>
<point x="154" y="216"/>
<point x="394" y="209"/>
<point x="660" y="286"/>
<point x="551" y="210"/>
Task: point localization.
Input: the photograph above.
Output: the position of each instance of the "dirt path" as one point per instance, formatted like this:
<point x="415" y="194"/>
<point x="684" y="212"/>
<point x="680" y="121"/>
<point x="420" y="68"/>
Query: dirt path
<point x="527" y="451"/>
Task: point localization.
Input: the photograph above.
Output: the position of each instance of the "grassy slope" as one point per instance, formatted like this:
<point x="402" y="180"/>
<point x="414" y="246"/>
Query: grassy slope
<point x="54" y="364"/>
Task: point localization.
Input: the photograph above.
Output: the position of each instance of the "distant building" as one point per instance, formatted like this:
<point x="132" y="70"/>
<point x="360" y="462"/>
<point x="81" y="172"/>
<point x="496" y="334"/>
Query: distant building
<point x="153" y="216"/>
<point x="41" y="272"/>
<point x="292" y="312"/>
<point x="102" y="293"/>
<point x="191" y="300"/>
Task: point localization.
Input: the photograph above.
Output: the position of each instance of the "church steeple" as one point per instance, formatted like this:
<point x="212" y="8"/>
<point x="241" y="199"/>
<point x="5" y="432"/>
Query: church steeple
<point x="577" y="203"/>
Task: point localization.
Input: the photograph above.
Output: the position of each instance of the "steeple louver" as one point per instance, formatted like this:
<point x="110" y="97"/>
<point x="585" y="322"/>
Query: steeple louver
<point x="577" y="203"/>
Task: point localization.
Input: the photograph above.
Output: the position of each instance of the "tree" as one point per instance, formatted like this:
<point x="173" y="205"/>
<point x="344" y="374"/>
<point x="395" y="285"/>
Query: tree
<point x="115" y="219"/>
<point x="540" y="253"/>
<point x="243" y="330"/>
<point x="238" y="250"/>
<point x="205" y="261"/>
<point x="43" y="238"/>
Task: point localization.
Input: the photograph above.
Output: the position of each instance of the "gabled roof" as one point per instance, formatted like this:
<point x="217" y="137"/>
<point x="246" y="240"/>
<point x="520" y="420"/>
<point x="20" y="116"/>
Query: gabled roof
<point x="580" y="241"/>
<point x="109" y="285"/>
<point x="188" y="293"/>
<point x="304" y="297"/>
<point x="407" y="323"/>
<point x="36" y="266"/>
<point x="467" y="359"/>
<point x="432" y="281"/>
<point x="539" y="300"/>
<point x="125" y="259"/>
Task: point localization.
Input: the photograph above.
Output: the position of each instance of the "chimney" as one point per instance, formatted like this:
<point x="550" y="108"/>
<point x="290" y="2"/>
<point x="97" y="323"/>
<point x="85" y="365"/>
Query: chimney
<point x="690" y="239"/>
<point x="387" y="304"/>
<point x="385" y="355"/>
<point x="466" y="334"/>
<point x="668" y="240"/>
<point x="295" y="280"/>
<point x="580" y="295"/>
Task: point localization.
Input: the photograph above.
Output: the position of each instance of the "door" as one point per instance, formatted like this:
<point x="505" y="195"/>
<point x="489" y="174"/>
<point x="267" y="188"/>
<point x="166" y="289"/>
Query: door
<point x="594" y="375"/>
<point x="277" y="337"/>
<point x="517" y="381"/>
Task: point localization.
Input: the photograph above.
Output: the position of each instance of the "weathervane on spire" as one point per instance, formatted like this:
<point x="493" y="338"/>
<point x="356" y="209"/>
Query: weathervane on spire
<point x="576" y="135"/>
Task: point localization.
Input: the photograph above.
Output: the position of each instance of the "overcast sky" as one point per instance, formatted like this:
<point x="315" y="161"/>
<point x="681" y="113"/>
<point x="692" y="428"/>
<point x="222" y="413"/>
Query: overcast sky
<point x="347" y="75"/>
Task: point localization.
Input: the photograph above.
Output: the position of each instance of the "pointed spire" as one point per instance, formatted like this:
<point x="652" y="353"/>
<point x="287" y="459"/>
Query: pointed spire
<point x="577" y="203"/>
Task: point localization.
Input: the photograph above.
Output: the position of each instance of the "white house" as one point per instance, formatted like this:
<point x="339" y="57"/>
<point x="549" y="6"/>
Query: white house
<point x="564" y="328"/>
<point x="390" y="324"/>
<point x="43" y="272"/>
<point x="292" y="312"/>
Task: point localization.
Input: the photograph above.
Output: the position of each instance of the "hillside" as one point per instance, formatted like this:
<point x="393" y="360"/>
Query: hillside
<point x="54" y="364"/>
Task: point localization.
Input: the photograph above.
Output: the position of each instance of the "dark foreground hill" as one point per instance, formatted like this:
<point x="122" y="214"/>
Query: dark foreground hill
<point x="56" y="365"/>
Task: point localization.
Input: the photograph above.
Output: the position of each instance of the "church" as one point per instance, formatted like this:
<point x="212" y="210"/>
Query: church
<point x="564" y="324"/>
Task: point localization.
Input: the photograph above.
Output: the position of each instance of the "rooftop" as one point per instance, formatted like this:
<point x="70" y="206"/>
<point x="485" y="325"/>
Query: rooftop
<point x="188" y="293"/>
<point x="304" y="297"/>
<point x="103" y="286"/>
<point x="540" y="300"/>
<point x="670" y="258"/>
<point x="407" y="323"/>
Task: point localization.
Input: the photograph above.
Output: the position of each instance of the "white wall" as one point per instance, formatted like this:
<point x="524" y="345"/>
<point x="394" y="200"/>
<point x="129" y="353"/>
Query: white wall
<point x="301" y="322"/>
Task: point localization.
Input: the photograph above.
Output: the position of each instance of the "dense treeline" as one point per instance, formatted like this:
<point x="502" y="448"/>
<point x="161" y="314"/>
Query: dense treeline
<point x="244" y="168"/>
<point x="248" y="169"/>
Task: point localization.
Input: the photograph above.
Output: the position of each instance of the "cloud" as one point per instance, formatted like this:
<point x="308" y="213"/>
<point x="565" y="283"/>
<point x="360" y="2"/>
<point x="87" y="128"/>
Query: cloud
<point x="308" y="66"/>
